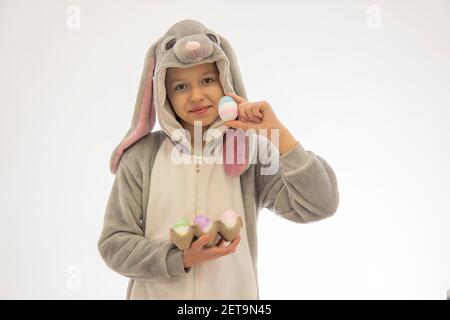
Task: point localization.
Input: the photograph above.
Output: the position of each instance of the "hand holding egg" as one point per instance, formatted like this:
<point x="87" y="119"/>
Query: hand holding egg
<point x="253" y="115"/>
<point x="196" y="239"/>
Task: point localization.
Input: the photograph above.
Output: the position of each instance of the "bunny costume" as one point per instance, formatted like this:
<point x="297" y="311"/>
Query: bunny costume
<point x="153" y="188"/>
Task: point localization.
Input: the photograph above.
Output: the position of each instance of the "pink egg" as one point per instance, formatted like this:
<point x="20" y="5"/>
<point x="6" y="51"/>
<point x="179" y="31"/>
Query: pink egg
<point x="229" y="218"/>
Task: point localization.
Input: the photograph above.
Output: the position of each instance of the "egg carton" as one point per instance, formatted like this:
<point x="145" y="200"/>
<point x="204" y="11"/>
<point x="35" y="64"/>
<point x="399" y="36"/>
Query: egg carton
<point x="217" y="230"/>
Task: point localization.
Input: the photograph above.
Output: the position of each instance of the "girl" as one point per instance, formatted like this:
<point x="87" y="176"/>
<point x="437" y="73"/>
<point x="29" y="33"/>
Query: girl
<point x="186" y="72"/>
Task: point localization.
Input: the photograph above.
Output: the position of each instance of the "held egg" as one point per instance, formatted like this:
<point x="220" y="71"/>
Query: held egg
<point x="203" y="222"/>
<point x="229" y="218"/>
<point x="228" y="108"/>
<point x="181" y="227"/>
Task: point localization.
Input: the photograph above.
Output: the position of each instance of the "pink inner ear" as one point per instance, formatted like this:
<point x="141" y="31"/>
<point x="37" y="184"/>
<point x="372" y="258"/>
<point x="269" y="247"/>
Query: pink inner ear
<point x="146" y="119"/>
<point x="241" y="150"/>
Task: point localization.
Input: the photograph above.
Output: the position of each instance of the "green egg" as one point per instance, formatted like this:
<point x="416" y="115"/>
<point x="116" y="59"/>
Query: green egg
<point x="181" y="223"/>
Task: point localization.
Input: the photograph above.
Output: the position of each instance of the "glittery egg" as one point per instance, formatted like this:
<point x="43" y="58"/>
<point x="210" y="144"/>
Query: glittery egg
<point x="228" y="108"/>
<point x="181" y="227"/>
<point x="229" y="218"/>
<point x="203" y="222"/>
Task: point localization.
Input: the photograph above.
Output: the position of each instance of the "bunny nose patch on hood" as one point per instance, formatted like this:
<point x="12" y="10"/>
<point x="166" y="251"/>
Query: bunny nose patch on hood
<point x="186" y="44"/>
<point x="193" y="49"/>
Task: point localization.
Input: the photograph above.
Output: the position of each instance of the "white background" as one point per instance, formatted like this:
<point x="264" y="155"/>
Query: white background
<point x="375" y="103"/>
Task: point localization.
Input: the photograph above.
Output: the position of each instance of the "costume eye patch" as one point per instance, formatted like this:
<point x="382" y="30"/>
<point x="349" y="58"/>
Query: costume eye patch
<point x="170" y="44"/>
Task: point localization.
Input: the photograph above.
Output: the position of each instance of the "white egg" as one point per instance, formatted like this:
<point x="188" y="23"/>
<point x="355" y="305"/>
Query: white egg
<point x="229" y="218"/>
<point x="228" y="108"/>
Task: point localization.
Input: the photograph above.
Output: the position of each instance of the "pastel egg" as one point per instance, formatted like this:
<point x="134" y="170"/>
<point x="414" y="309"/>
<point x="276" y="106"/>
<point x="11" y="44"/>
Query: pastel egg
<point x="228" y="108"/>
<point x="181" y="227"/>
<point x="229" y="218"/>
<point x="203" y="222"/>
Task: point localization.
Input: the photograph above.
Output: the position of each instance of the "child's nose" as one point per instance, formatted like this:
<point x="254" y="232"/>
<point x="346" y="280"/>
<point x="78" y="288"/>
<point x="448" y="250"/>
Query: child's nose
<point x="192" y="45"/>
<point x="196" y="94"/>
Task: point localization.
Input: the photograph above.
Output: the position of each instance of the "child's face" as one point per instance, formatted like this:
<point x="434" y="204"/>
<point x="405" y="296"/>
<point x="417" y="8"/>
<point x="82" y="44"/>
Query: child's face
<point x="191" y="87"/>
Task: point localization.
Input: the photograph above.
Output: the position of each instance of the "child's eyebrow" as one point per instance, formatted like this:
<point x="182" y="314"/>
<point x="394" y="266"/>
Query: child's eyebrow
<point x="204" y="73"/>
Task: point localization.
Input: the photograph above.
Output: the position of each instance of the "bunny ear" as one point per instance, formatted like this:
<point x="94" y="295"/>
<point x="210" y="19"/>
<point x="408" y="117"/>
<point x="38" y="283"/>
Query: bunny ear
<point x="235" y="141"/>
<point x="238" y="84"/>
<point x="144" y="112"/>
<point x="235" y="152"/>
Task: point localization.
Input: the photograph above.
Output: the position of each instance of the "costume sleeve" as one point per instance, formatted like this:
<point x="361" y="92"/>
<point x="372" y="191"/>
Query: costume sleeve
<point x="122" y="244"/>
<point x="303" y="189"/>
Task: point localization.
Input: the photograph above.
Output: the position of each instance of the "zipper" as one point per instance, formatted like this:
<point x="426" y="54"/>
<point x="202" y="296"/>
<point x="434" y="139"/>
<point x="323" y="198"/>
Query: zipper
<point x="197" y="170"/>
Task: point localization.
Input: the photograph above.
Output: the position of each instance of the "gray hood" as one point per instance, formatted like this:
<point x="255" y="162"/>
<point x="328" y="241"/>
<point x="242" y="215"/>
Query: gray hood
<point x="185" y="44"/>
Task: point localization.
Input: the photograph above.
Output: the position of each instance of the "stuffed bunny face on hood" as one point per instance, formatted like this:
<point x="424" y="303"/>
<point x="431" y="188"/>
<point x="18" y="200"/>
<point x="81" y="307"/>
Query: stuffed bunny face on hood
<point x="186" y="44"/>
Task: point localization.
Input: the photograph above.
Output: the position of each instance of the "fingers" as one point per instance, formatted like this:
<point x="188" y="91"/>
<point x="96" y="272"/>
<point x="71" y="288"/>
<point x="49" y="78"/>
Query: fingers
<point x="197" y="254"/>
<point x="220" y="243"/>
<point x="236" y="98"/>
<point x="250" y="112"/>
<point x="217" y="252"/>
<point x="235" y="243"/>
<point x="238" y="124"/>
<point x="247" y="111"/>
<point x="256" y="114"/>
<point x="200" y="242"/>
<point x="243" y="114"/>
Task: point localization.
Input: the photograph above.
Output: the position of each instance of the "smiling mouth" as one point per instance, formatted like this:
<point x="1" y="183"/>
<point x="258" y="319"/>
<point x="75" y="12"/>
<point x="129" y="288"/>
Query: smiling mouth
<point x="200" y="110"/>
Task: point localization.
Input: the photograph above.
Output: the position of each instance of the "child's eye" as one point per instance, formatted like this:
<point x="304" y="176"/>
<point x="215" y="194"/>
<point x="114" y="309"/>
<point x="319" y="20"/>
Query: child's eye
<point x="212" y="80"/>
<point x="208" y="80"/>
<point x="178" y="87"/>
